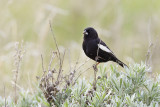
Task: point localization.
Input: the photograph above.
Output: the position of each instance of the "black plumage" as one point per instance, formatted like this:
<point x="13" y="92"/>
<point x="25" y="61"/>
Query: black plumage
<point x="96" y="49"/>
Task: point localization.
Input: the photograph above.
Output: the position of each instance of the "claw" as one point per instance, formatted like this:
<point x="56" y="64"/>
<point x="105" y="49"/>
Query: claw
<point x="95" y="67"/>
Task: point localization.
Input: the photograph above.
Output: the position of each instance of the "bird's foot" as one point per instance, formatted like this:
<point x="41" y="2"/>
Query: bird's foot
<point x="95" y="67"/>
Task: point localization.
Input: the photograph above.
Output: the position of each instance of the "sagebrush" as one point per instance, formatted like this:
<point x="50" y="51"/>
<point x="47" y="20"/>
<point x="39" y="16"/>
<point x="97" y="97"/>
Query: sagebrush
<point x="131" y="87"/>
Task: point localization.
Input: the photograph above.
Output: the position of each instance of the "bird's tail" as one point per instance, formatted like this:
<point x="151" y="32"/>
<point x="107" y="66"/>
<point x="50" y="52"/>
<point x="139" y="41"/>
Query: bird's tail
<point x="121" y="63"/>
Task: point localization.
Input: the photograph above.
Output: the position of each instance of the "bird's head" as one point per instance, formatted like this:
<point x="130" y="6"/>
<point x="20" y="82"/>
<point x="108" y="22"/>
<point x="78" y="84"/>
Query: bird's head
<point x="90" y="33"/>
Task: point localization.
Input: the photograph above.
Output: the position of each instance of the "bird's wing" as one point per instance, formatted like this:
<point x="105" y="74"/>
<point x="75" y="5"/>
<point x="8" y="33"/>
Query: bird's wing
<point x="104" y="47"/>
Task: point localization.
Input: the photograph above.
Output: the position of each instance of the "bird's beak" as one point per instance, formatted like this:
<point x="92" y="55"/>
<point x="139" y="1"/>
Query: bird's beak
<point x="85" y="33"/>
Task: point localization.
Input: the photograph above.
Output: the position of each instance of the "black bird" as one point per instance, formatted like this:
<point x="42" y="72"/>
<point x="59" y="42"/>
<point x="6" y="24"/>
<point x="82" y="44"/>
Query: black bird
<point x="96" y="49"/>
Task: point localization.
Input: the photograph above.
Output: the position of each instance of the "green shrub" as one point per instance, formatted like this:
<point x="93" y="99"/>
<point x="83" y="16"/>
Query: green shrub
<point x="129" y="88"/>
<point x="132" y="87"/>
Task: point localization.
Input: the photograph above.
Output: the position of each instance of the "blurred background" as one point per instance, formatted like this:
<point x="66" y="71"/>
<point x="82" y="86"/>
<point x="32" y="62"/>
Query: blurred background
<point x="128" y="27"/>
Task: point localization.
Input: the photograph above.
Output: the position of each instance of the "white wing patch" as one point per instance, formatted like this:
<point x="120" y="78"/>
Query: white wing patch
<point x="104" y="48"/>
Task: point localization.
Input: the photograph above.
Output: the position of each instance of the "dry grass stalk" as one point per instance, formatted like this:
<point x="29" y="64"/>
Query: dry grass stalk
<point x="149" y="55"/>
<point x="59" y="55"/>
<point x="17" y="58"/>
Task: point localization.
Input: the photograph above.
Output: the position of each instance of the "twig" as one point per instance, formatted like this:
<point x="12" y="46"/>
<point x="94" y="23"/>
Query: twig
<point x="60" y="68"/>
<point x="95" y="79"/>
<point x="70" y="69"/>
<point x="43" y="71"/>
<point x="82" y="64"/>
<point x="52" y="57"/>
<point x="42" y="63"/>
<point x="71" y="79"/>
<point x="54" y="39"/>
<point x="81" y="74"/>
<point x="74" y="69"/>
<point x="72" y="74"/>
<point x="59" y="55"/>
<point x="149" y="54"/>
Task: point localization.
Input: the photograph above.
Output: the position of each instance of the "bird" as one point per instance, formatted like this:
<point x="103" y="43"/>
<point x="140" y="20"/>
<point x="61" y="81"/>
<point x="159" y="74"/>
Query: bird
<point x="96" y="49"/>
